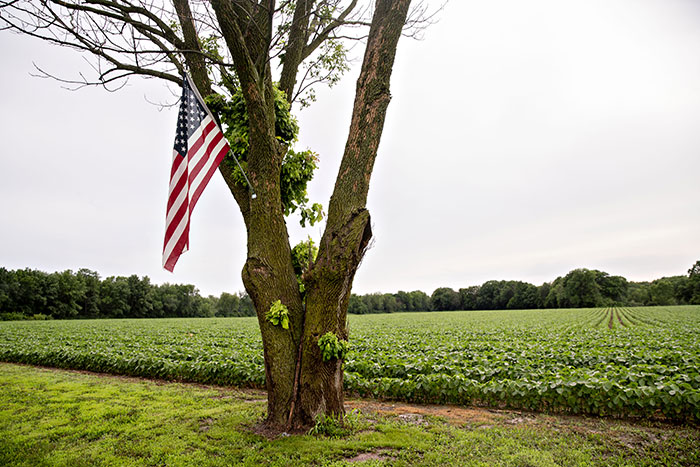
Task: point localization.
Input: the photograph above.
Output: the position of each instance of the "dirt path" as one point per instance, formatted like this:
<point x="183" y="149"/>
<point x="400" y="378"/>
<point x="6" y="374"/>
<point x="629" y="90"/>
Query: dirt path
<point x="619" y="318"/>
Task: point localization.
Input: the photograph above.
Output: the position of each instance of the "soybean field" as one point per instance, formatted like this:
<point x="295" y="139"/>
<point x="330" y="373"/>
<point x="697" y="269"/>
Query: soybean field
<point x="627" y="362"/>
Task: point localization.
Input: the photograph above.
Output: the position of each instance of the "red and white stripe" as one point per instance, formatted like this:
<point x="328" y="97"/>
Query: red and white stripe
<point x="189" y="176"/>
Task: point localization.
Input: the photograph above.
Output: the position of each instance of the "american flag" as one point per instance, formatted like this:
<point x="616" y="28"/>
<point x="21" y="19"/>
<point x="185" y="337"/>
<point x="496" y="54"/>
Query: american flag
<point x="199" y="148"/>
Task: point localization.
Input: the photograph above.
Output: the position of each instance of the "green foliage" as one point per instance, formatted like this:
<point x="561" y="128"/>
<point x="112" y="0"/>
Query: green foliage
<point x="389" y="303"/>
<point x="444" y="298"/>
<point x="297" y="167"/>
<point x="228" y="305"/>
<point x="222" y="351"/>
<point x="278" y="315"/>
<point x="12" y="316"/>
<point x="303" y="254"/>
<point x="690" y="291"/>
<point x="30" y="294"/>
<point x="336" y="427"/>
<point x="328" y="66"/>
<point x="332" y="347"/>
<point x="632" y="362"/>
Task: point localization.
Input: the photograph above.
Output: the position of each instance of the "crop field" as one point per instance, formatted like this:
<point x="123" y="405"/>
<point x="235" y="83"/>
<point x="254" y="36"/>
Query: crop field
<point x="631" y="362"/>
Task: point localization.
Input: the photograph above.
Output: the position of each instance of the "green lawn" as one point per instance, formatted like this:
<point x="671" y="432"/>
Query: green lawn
<point x="63" y="418"/>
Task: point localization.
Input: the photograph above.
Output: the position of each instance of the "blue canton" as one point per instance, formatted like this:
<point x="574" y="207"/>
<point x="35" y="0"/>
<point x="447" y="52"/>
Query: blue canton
<point x="190" y="118"/>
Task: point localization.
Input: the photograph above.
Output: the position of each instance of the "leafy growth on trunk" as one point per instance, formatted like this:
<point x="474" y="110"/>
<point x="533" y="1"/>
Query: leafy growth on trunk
<point x="297" y="167"/>
<point x="303" y="255"/>
<point x="332" y="347"/>
<point x="278" y="314"/>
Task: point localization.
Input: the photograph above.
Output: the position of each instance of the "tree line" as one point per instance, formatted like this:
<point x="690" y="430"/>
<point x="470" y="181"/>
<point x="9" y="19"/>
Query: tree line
<point x="33" y="294"/>
<point x="580" y="288"/>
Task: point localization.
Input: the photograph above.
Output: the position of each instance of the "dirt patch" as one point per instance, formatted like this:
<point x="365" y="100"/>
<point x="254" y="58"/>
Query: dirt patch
<point x="416" y="413"/>
<point x="205" y="424"/>
<point x="378" y="455"/>
<point x="521" y="420"/>
<point x="266" y="431"/>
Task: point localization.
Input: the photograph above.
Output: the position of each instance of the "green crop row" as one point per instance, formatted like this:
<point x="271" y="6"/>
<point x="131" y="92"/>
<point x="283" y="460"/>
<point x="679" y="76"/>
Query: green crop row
<point x="638" y="362"/>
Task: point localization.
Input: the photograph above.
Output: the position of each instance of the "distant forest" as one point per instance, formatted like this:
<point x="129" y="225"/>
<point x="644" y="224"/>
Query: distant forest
<point x="32" y="294"/>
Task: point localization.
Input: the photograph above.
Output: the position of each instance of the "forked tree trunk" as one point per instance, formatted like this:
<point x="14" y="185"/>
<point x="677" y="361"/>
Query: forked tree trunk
<point x="268" y="274"/>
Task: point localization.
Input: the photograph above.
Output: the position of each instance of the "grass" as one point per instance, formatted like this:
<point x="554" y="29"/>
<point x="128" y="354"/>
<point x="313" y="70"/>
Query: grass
<point x="65" y="418"/>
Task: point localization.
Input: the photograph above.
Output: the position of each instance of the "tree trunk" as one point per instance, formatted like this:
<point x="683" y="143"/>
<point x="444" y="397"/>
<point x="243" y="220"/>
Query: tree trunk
<point x="268" y="274"/>
<point x="348" y="231"/>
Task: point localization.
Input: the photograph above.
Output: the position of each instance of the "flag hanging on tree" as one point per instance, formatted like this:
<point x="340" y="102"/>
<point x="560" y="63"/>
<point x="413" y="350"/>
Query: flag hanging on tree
<point x="199" y="148"/>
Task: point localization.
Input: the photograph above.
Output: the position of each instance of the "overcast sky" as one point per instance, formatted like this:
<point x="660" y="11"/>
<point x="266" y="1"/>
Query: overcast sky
<point x="523" y="140"/>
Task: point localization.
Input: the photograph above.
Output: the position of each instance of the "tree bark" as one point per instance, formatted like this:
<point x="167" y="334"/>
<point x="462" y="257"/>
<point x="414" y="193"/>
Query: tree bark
<point x="298" y="35"/>
<point x="348" y="230"/>
<point x="268" y="274"/>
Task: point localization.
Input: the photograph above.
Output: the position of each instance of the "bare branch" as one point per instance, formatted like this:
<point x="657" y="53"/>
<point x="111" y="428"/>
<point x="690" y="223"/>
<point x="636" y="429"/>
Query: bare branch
<point x="323" y="35"/>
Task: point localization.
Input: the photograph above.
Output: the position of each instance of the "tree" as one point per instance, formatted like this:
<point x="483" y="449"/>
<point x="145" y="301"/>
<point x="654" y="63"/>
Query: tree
<point x="691" y="290"/>
<point x="613" y="289"/>
<point x="581" y="289"/>
<point x="467" y="297"/>
<point x="661" y="292"/>
<point x="419" y="300"/>
<point x="492" y="296"/>
<point x="357" y="305"/>
<point x="445" y="299"/>
<point x="228" y="46"/>
<point x="227" y="305"/>
<point x="638" y="294"/>
<point x="525" y="296"/>
<point x="90" y="305"/>
<point x="694" y="270"/>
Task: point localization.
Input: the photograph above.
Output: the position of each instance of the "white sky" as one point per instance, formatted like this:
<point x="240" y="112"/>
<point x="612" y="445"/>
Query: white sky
<point x="524" y="139"/>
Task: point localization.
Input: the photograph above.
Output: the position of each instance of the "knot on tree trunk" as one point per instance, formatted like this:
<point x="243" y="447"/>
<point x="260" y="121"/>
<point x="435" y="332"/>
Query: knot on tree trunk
<point x="344" y="248"/>
<point x="256" y="272"/>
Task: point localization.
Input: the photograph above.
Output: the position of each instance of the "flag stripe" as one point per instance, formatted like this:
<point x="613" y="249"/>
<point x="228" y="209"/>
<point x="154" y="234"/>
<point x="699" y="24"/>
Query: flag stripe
<point x="199" y="148"/>
<point x="203" y="153"/>
<point x="179" y="186"/>
<point x="219" y="150"/>
<point x="206" y="143"/>
<point x="176" y="215"/>
<point x="178" y="235"/>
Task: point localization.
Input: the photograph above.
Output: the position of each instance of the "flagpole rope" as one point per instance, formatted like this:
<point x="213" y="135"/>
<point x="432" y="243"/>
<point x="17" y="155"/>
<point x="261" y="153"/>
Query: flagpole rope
<point x="252" y="190"/>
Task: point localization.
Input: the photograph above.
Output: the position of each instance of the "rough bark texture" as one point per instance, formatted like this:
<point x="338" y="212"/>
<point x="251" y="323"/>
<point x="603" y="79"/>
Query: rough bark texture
<point x="195" y="61"/>
<point x="298" y="35"/>
<point x="348" y="230"/>
<point x="268" y="274"/>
